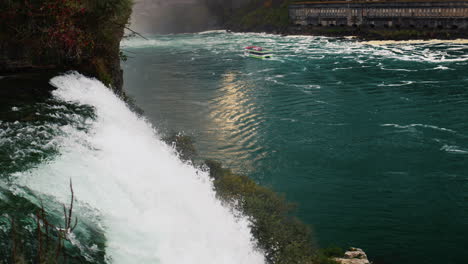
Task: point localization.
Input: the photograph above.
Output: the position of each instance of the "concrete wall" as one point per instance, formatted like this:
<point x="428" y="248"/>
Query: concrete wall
<point x="422" y="14"/>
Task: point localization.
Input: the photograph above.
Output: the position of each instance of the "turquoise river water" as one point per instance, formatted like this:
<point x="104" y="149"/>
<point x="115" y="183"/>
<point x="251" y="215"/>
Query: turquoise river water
<point x="371" y="141"/>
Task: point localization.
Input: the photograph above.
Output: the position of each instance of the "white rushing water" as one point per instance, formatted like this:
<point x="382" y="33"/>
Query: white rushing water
<point x="153" y="207"/>
<point x="314" y="47"/>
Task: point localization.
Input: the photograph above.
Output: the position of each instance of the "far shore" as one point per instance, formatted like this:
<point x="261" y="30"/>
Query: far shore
<point x="387" y="42"/>
<point x="416" y="41"/>
<point x="372" y="35"/>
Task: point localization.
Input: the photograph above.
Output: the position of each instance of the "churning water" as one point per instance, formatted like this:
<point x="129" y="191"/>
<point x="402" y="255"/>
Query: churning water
<point x="151" y="207"/>
<point x="370" y="140"/>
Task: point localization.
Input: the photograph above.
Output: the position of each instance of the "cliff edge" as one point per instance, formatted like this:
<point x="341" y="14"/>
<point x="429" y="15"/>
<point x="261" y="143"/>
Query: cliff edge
<point x="62" y="35"/>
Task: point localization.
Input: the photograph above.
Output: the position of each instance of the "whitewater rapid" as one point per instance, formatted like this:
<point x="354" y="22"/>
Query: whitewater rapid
<point x="153" y="207"/>
<point x="289" y="48"/>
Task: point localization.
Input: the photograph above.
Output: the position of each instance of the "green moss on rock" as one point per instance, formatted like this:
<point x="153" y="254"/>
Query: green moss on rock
<point x="183" y="144"/>
<point x="282" y="237"/>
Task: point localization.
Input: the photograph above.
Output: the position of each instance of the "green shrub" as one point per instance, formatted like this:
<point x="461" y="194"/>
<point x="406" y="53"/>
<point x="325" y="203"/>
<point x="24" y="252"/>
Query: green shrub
<point x="332" y="251"/>
<point x="282" y="237"/>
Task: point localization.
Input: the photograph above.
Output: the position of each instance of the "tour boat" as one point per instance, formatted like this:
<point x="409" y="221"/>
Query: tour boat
<point x="257" y="52"/>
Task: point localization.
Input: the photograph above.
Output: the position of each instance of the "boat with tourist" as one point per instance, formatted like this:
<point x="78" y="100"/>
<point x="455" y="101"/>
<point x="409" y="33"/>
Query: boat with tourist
<point x="257" y="52"/>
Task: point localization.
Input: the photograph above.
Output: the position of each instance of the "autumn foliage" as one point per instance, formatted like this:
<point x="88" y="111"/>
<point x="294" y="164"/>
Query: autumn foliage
<point x="57" y="23"/>
<point x="82" y="35"/>
<point x="65" y="30"/>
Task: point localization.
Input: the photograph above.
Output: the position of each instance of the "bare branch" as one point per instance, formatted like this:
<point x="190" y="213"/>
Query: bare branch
<point x="39" y="238"/>
<point x="70" y="210"/>
<point x="65" y="215"/>
<point x="74" y="226"/>
<point x="133" y="31"/>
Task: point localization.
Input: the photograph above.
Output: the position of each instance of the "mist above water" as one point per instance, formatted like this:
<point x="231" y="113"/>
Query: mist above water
<point x="171" y="16"/>
<point x="180" y="16"/>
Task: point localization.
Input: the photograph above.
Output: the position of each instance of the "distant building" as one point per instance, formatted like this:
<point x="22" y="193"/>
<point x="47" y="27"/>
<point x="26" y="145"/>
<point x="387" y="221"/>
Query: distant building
<point x="382" y="13"/>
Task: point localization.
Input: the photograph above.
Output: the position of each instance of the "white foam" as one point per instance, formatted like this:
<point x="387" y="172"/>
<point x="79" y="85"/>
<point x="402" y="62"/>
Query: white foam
<point x="419" y="125"/>
<point x="155" y="208"/>
<point x="454" y="149"/>
<point x="212" y="32"/>
<point x="311" y="47"/>
<point x="440" y="67"/>
<point x="141" y="43"/>
<point x="403" y="83"/>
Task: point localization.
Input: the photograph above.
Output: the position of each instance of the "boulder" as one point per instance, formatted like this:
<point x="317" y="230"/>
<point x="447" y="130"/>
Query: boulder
<point x="353" y="256"/>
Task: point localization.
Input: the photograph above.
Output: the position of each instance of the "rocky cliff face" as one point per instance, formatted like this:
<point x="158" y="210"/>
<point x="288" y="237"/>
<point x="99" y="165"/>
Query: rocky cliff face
<point x="62" y="35"/>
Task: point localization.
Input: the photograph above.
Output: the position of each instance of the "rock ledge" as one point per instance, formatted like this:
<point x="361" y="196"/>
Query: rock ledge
<point x="353" y="256"/>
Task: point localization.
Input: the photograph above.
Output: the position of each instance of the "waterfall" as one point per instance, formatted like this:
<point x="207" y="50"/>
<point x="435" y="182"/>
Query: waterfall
<point x="153" y="207"/>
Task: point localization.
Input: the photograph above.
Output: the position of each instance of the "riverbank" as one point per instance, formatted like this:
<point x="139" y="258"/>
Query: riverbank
<point x="367" y="34"/>
<point x="374" y="38"/>
<point x="416" y="41"/>
<point x="363" y="34"/>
